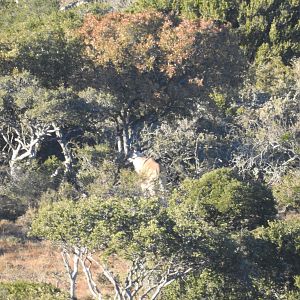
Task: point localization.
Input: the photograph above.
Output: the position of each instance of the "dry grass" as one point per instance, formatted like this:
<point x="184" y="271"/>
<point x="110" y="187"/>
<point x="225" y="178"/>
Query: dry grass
<point x="23" y="259"/>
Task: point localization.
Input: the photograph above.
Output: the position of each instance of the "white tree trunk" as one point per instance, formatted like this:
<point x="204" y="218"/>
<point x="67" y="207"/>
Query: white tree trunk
<point x="68" y="156"/>
<point x="89" y="278"/>
<point x="72" y="273"/>
<point x="24" y="142"/>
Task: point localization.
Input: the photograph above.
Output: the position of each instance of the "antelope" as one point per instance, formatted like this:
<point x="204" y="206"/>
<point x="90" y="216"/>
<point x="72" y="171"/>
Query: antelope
<point x="147" y="169"/>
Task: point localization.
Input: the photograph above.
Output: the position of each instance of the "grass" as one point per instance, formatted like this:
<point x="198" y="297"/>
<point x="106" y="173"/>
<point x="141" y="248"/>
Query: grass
<point x="31" y="260"/>
<point x="27" y="259"/>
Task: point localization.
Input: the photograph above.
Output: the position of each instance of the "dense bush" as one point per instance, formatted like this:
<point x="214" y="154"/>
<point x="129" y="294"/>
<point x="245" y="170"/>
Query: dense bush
<point x="21" y="290"/>
<point x="169" y="83"/>
<point x="269" y="267"/>
<point x="222" y="198"/>
<point x="274" y="253"/>
<point x="209" y="285"/>
<point x="287" y="191"/>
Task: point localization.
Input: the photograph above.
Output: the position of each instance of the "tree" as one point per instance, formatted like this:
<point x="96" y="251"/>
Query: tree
<point x="155" y="66"/>
<point x="30" y="113"/>
<point x="21" y="136"/>
<point x="51" y="57"/>
<point x="157" y="247"/>
<point x="37" y="38"/>
<point x="224" y="10"/>
<point x="265" y="266"/>
<point x="266" y="28"/>
<point x="211" y="284"/>
<point x="287" y="191"/>
<point x="270" y="259"/>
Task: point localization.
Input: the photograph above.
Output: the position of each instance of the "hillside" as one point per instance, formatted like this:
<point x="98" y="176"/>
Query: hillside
<point x="149" y="150"/>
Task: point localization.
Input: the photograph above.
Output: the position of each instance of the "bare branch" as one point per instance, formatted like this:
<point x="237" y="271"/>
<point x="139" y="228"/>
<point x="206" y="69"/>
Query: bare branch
<point x="86" y="263"/>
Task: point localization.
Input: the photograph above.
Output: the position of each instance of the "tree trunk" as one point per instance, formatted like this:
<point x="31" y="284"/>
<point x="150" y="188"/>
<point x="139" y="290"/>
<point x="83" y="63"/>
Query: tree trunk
<point x="126" y="138"/>
<point x="13" y="161"/>
<point x="73" y="278"/>
<point x="72" y="273"/>
<point x="67" y="155"/>
<point x="20" y="147"/>
<point x="126" y="143"/>
<point x="68" y="162"/>
<point x="119" y="139"/>
<point x="89" y="278"/>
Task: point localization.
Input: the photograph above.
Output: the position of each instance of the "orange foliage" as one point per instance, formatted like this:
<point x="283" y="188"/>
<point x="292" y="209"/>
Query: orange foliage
<point x="146" y="41"/>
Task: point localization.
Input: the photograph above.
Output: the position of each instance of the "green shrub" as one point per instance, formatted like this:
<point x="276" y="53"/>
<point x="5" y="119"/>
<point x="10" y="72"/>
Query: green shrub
<point x="21" y="290"/>
<point x="223" y="199"/>
<point x="208" y="285"/>
<point x="287" y="191"/>
<point x="274" y="252"/>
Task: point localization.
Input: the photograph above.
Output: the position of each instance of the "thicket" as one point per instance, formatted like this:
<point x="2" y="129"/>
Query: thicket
<point x="210" y="89"/>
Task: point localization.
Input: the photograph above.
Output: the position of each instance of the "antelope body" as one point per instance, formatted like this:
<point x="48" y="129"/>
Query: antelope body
<point x="147" y="169"/>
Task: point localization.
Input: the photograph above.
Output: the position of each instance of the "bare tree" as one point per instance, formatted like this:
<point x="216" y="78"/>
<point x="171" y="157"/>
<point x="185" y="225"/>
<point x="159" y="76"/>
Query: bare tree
<point x="269" y="139"/>
<point x="142" y="281"/>
<point x="22" y="141"/>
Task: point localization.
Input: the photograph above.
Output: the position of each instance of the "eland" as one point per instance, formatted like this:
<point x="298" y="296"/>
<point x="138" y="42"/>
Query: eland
<point x="148" y="170"/>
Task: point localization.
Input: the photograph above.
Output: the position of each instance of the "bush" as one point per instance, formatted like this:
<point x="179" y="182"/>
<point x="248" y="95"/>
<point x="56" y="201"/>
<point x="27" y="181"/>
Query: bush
<point x="287" y="191"/>
<point x="274" y="253"/>
<point x="20" y="290"/>
<point x="220" y="197"/>
<point x="11" y="208"/>
<point x="24" y="190"/>
<point x="208" y="285"/>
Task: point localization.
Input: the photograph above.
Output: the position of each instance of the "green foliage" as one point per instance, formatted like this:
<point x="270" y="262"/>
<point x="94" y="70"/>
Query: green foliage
<point x="51" y="57"/>
<point x="133" y="227"/>
<point x="221" y="198"/>
<point x="260" y="24"/>
<point x="25" y="190"/>
<point x="30" y="182"/>
<point x="284" y="235"/>
<point x="36" y="37"/>
<point x="273" y="77"/>
<point x="97" y="169"/>
<point x="287" y="191"/>
<point x="267" y="267"/>
<point x="208" y="285"/>
<point x="193" y="289"/>
<point x="20" y="290"/>
<point x="25" y="101"/>
<point x="274" y="252"/>
<point x="219" y="10"/>
<point x="106" y="224"/>
<point x="272" y="23"/>
<point x="13" y="18"/>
